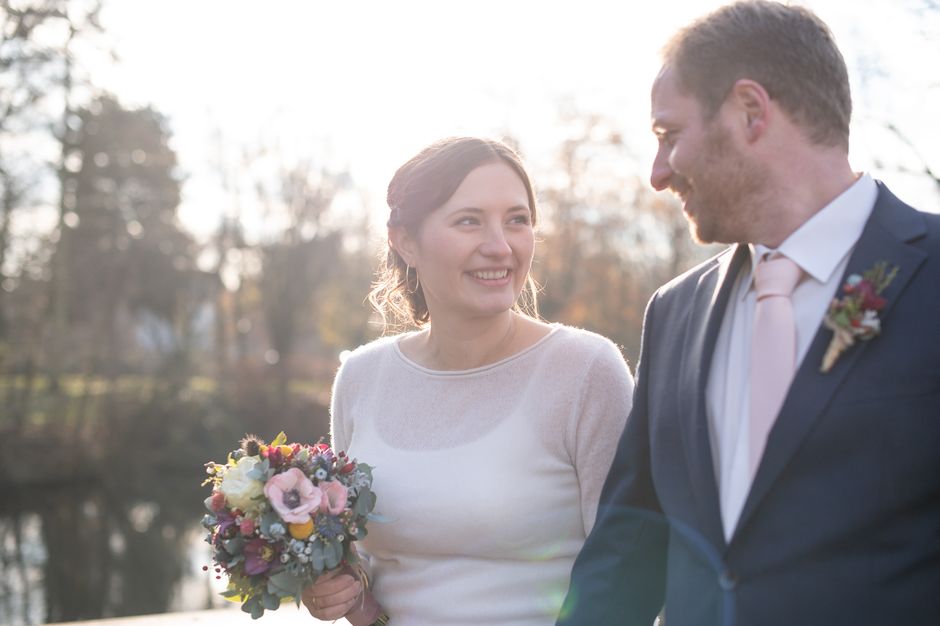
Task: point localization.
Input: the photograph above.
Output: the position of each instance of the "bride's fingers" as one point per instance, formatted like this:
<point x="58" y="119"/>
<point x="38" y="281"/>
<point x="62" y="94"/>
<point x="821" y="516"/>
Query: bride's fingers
<point x="333" y="611"/>
<point x="332" y="598"/>
<point x="333" y="585"/>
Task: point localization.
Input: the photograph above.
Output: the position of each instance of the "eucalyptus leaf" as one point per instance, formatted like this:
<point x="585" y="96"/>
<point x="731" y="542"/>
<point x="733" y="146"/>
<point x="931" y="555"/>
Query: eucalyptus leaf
<point x="333" y="553"/>
<point x="267" y="519"/>
<point x="318" y="558"/>
<point x="260" y="470"/>
<point x="284" y="582"/>
<point x="253" y="606"/>
<point x="270" y="601"/>
<point x="365" y="502"/>
<point x="234" y="546"/>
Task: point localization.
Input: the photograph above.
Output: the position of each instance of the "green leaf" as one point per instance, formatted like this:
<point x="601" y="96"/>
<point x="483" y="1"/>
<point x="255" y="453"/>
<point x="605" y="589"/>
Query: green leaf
<point x="270" y="601"/>
<point x="284" y="583"/>
<point x="365" y="502"/>
<point x="253" y="605"/>
<point x="318" y="558"/>
<point x="234" y="546"/>
<point x="270" y="518"/>
<point x="280" y="440"/>
<point x="333" y="554"/>
<point x="260" y="471"/>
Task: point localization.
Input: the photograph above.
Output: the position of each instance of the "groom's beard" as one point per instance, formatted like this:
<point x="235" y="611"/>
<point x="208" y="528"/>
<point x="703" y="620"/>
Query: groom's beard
<point x="721" y="192"/>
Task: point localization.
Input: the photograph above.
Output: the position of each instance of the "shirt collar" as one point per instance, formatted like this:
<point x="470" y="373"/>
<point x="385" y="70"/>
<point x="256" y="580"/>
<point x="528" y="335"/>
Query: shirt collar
<point x="820" y="244"/>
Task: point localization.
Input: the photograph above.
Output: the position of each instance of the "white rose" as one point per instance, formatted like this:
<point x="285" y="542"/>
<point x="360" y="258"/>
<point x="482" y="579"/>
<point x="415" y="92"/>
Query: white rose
<point x="240" y="491"/>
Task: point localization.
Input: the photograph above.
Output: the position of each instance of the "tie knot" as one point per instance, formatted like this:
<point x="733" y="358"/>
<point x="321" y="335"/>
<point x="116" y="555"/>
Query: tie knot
<point x="776" y="277"/>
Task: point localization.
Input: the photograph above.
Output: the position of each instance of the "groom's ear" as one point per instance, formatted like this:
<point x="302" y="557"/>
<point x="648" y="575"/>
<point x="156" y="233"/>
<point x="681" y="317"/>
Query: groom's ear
<point x="752" y="107"/>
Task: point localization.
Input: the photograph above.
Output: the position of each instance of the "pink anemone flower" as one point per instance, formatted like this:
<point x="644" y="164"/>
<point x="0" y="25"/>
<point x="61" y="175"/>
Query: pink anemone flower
<point x="293" y="495"/>
<point x="334" y="497"/>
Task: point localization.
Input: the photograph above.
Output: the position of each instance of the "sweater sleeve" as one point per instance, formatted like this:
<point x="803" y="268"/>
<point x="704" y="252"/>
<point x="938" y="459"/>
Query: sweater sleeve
<point x="340" y="429"/>
<point x="606" y="399"/>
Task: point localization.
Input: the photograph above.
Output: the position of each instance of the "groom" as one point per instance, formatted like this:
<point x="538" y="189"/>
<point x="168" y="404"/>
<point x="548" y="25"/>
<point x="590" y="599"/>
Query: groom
<point x="781" y="465"/>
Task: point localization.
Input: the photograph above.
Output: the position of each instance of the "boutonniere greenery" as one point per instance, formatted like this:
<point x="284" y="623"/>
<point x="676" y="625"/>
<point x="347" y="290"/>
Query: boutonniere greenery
<point x="854" y="316"/>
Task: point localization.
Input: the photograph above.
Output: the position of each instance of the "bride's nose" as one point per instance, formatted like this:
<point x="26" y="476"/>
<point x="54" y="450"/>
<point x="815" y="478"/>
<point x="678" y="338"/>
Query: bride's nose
<point x="495" y="243"/>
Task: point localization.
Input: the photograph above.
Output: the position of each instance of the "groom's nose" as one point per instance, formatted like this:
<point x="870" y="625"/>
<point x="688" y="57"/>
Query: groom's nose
<point x="661" y="172"/>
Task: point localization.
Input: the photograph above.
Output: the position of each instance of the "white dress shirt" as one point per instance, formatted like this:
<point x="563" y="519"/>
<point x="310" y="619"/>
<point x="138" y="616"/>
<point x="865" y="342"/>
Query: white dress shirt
<point x="821" y="247"/>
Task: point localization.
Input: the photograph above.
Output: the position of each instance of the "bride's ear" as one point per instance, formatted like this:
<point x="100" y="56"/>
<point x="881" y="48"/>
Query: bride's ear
<point x="401" y="241"/>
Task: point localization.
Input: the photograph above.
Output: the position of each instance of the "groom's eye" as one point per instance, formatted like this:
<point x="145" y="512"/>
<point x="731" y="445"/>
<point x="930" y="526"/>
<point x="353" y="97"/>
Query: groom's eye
<point x="666" y="137"/>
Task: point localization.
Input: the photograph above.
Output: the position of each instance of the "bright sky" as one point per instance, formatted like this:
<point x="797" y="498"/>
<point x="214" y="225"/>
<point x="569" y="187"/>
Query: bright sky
<point x="363" y="85"/>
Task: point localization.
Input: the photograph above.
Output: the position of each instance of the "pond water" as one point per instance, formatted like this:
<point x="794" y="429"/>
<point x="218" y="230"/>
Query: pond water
<point x="85" y="552"/>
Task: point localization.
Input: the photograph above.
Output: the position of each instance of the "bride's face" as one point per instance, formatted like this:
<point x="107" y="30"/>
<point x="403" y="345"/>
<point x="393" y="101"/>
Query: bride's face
<point x="473" y="254"/>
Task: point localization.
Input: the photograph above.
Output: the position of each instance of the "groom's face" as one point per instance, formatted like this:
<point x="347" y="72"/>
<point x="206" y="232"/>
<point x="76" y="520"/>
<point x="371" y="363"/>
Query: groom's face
<point x="699" y="162"/>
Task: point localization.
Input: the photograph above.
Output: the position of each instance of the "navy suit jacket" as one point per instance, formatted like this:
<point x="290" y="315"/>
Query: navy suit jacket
<point x="842" y="523"/>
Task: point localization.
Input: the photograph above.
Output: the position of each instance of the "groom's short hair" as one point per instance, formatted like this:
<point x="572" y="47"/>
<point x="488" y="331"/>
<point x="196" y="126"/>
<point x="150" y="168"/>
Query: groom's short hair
<point x="787" y="49"/>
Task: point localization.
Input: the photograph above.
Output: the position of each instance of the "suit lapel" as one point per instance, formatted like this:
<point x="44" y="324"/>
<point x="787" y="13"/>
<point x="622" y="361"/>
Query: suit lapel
<point x="891" y="225"/>
<point x="710" y="301"/>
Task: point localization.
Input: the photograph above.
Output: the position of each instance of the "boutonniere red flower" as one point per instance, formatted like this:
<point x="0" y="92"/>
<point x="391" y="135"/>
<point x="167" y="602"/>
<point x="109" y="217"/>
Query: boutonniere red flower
<point x="854" y="316"/>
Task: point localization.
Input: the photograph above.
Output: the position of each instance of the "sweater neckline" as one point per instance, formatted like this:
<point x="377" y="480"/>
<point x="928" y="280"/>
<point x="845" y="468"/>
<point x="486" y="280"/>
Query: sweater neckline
<point x="554" y="327"/>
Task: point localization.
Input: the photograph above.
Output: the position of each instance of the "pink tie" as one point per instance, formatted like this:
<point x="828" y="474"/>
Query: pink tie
<point x="773" y="348"/>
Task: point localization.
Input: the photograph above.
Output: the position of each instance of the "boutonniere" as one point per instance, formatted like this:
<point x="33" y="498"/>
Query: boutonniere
<point x="855" y="315"/>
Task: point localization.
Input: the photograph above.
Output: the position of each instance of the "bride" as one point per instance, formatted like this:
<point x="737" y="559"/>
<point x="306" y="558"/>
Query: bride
<point x="490" y="431"/>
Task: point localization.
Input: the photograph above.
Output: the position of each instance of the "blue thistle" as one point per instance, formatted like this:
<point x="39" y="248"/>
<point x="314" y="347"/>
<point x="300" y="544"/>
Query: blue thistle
<point x="328" y="527"/>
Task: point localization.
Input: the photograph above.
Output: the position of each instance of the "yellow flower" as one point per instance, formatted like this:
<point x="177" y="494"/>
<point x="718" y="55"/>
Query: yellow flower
<point x="301" y="531"/>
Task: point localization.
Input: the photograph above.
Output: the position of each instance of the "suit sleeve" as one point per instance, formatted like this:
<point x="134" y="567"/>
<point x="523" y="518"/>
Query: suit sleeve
<point x="619" y="575"/>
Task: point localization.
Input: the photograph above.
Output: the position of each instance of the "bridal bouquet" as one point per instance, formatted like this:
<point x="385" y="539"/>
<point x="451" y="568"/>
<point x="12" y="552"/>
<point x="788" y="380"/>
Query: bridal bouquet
<point x="280" y="514"/>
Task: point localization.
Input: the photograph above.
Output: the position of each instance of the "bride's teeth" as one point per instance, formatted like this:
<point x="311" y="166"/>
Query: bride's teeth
<point x="491" y="275"/>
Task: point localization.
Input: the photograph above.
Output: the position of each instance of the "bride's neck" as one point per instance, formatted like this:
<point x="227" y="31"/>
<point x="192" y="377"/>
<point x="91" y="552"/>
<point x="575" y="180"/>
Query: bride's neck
<point x="465" y="345"/>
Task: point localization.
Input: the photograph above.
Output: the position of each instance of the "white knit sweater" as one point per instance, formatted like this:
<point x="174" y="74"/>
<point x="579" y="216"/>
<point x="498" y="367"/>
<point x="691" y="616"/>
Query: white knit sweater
<point x="490" y="477"/>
